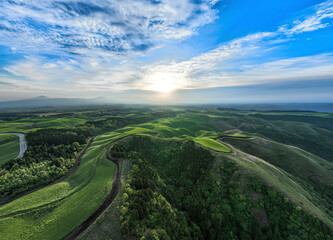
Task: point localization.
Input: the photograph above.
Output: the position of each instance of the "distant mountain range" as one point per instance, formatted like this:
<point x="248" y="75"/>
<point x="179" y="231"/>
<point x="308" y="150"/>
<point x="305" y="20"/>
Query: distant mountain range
<point x="303" y="107"/>
<point x="43" y="101"/>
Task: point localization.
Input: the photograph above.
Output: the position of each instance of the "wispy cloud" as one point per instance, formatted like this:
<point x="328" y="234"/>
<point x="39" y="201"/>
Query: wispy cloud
<point x="311" y="22"/>
<point x="118" y="27"/>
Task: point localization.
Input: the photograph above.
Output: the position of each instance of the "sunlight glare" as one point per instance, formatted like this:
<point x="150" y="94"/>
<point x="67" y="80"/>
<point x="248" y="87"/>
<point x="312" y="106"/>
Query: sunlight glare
<point x="163" y="86"/>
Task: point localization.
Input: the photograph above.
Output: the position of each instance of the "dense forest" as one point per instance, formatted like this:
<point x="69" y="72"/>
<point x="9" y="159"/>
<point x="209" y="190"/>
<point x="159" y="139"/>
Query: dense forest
<point x="173" y="192"/>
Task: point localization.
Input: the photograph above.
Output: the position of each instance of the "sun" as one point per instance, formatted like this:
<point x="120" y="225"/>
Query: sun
<point x="163" y="86"/>
<point x="162" y="81"/>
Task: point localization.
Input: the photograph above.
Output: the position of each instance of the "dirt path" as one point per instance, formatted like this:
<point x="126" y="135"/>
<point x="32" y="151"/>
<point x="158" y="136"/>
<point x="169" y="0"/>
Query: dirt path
<point x="70" y="172"/>
<point x="105" y="205"/>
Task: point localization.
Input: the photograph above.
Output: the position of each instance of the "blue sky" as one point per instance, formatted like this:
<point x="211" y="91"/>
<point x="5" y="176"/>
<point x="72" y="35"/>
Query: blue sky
<point x="155" y="51"/>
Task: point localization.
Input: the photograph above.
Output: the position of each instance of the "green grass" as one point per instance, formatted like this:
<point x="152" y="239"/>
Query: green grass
<point x="179" y="128"/>
<point x="212" y="144"/>
<point x="55" y="211"/>
<point x="291" y="159"/>
<point x="237" y="135"/>
<point x="15" y="127"/>
<point x="108" y="226"/>
<point x="61" y="122"/>
<point x="9" y="147"/>
<point x="26" y="125"/>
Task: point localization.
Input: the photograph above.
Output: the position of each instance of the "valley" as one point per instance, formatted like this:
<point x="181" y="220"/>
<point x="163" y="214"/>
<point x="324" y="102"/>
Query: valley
<point x="172" y="173"/>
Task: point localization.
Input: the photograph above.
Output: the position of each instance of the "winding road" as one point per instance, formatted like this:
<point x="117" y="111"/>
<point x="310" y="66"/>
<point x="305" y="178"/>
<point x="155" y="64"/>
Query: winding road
<point x="23" y="144"/>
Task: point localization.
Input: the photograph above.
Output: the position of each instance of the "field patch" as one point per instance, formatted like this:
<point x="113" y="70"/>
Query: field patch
<point x="61" y="122"/>
<point x="9" y="147"/>
<point x="212" y="144"/>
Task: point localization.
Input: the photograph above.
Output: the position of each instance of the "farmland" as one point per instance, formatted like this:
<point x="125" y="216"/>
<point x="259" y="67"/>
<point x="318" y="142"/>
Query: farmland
<point x="9" y="147"/>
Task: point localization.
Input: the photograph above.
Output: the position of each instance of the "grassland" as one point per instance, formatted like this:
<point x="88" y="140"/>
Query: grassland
<point x="212" y="144"/>
<point x="9" y="147"/>
<point x="54" y="211"/>
<point x="181" y="128"/>
<point x="25" y="125"/>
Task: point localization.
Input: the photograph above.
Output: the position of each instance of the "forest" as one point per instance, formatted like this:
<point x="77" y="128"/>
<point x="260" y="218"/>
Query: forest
<point x="209" y="201"/>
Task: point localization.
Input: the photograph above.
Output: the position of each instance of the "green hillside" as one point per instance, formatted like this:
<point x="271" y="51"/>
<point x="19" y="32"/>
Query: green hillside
<point x="9" y="147"/>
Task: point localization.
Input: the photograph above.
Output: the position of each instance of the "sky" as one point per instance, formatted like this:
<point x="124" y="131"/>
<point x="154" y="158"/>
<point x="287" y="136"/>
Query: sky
<point x="168" y="51"/>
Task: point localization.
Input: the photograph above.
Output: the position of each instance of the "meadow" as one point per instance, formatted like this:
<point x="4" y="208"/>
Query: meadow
<point x="9" y="147"/>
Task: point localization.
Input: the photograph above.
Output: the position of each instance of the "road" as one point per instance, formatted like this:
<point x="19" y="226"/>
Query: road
<point x="23" y="144"/>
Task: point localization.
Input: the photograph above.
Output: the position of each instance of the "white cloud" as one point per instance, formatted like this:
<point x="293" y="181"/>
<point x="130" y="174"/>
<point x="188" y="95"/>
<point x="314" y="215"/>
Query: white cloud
<point x="311" y="22"/>
<point x="118" y="27"/>
<point x="217" y="68"/>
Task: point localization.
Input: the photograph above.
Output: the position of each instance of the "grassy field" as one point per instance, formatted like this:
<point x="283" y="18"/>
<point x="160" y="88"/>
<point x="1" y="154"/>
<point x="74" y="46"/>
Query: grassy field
<point x="9" y="147"/>
<point x="108" y="226"/>
<point x="212" y="144"/>
<point x="185" y="127"/>
<point x="32" y="124"/>
<point x="53" y="212"/>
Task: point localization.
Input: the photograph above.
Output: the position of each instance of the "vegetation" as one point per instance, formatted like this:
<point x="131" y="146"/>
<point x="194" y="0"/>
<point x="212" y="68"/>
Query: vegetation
<point x="190" y="173"/>
<point x="9" y="147"/>
<point x="54" y="211"/>
<point x="212" y="144"/>
<point x="211" y="200"/>
<point x="50" y="155"/>
<point x="312" y="172"/>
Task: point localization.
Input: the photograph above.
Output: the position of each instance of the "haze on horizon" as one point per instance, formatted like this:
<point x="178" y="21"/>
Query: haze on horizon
<point x="191" y="51"/>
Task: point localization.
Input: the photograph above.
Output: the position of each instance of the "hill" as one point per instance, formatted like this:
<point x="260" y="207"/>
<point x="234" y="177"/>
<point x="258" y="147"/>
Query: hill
<point x="43" y="101"/>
